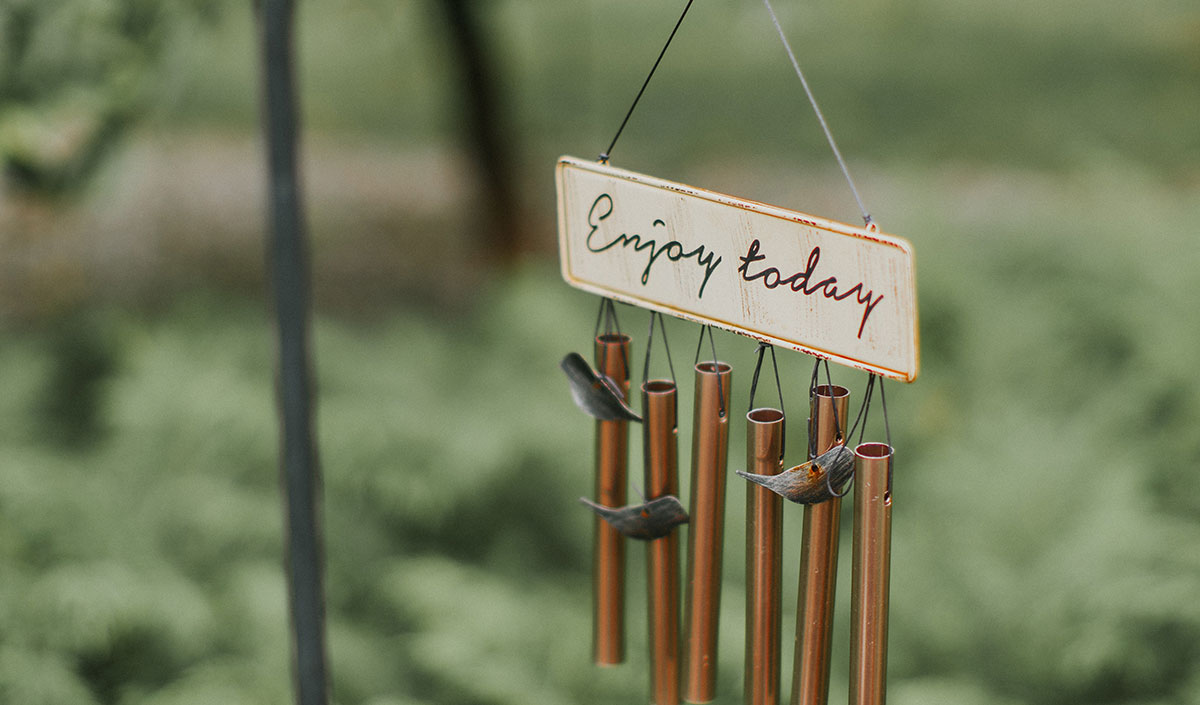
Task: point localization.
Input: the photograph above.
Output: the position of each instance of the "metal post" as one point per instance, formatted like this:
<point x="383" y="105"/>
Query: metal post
<point x="660" y="450"/>
<point x="871" y="574"/>
<point x="818" y="561"/>
<point x="710" y="451"/>
<point x="288" y="269"/>
<point x="764" y="558"/>
<point x="608" y="547"/>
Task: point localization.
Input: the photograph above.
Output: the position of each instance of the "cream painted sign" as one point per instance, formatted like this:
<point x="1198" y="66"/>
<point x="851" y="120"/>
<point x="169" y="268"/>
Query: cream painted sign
<point x="794" y="280"/>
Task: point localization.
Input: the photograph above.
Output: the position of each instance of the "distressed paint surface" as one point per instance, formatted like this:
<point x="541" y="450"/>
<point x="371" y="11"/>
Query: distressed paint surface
<point x="794" y="280"/>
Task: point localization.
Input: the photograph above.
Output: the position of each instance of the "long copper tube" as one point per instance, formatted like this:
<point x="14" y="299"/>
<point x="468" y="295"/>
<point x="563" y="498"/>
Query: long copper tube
<point x="608" y="548"/>
<point x="871" y="573"/>
<point x="710" y="453"/>
<point x="764" y="558"/>
<point x="818" y="562"/>
<point x="660" y="447"/>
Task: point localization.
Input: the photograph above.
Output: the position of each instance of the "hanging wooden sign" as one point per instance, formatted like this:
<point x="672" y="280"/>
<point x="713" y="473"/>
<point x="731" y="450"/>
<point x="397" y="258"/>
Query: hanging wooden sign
<point x="794" y="280"/>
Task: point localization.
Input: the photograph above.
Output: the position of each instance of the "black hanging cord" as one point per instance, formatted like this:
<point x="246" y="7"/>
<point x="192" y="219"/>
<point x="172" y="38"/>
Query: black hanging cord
<point x="650" y="345"/>
<point x="863" y="410"/>
<point x="604" y="155"/>
<point x="836" y="423"/>
<point x="812" y="393"/>
<point x="863" y="413"/>
<point x="762" y="350"/>
<point x="608" y="315"/>
<point x="887" y="429"/>
<point x="716" y="367"/>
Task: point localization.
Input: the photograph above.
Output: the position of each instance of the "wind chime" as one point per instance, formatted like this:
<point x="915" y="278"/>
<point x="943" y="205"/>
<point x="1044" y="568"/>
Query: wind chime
<point x="835" y="291"/>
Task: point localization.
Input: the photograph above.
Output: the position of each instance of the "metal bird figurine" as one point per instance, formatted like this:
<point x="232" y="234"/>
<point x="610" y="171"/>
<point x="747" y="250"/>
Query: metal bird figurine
<point x="596" y="394"/>
<point x="652" y="520"/>
<point x="813" y="482"/>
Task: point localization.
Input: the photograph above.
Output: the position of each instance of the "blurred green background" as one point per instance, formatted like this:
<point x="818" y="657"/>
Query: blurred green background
<point x="1043" y="158"/>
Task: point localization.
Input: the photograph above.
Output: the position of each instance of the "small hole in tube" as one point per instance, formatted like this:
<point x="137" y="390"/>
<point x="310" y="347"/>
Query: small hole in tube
<point x="658" y="386"/>
<point x="838" y="391"/>
<point x="873" y="450"/>
<point x="710" y="368"/>
<point x="765" y="415"/>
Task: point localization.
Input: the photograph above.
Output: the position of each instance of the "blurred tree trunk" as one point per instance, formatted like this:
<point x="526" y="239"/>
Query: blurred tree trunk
<point x="486" y="132"/>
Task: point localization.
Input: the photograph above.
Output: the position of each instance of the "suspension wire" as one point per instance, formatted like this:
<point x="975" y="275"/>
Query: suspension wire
<point x="601" y="317"/>
<point x="863" y="410"/>
<point x="605" y="153"/>
<point x="888" y="430"/>
<point x="650" y="345"/>
<point x="761" y="350"/>
<point x="716" y="366"/>
<point x="812" y="392"/>
<point x="608" y="315"/>
<point x="837" y="426"/>
<point x="816" y="109"/>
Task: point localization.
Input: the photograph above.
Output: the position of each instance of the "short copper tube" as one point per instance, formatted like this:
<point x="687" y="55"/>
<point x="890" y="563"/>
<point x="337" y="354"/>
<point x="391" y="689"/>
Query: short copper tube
<point x="818" y="561"/>
<point x="871" y="573"/>
<point x="660" y="447"/>
<point x="608" y="548"/>
<point x="764" y="556"/>
<point x="710" y="453"/>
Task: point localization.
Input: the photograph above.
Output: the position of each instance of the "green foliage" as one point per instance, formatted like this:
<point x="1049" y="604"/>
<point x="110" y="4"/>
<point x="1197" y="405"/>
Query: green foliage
<point x="1041" y="522"/>
<point x="1047" y="499"/>
<point x="72" y="75"/>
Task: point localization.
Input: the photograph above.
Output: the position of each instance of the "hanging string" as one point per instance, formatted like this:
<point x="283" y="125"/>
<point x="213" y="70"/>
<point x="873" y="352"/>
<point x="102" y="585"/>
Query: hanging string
<point x="816" y="109"/>
<point x="605" y="153"/>
<point x="812" y="393"/>
<point x="716" y="367"/>
<point x="650" y="345"/>
<point x="836" y="423"/>
<point x="608" y="315"/>
<point x="762" y="349"/>
<point x="887" y="428"/>
<point x="863" y="410"/>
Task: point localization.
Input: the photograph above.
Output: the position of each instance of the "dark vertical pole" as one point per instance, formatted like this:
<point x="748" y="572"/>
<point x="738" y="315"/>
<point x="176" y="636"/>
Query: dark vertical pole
<point x="288" y="267"/>
<point x="486" y="130"/>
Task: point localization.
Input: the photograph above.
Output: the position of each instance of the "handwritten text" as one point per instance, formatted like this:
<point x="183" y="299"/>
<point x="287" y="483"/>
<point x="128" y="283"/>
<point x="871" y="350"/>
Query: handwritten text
<point x="602" y="208"/>
<point x="799" y="282"/>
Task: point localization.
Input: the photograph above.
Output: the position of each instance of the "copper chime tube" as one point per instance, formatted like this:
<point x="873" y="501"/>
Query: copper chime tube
<point x="710" y="452"/>
<point x="818" y="562"/>
<point x="608" y="548"/>
<point x="871" y="569"/>
<point x="764" y="556"/>
<point x="660" y="447"/>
